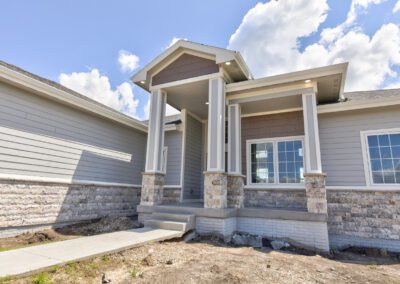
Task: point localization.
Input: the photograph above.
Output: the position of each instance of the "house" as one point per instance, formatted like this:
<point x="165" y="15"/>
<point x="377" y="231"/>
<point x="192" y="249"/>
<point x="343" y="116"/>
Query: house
<point x="289" y="156"/>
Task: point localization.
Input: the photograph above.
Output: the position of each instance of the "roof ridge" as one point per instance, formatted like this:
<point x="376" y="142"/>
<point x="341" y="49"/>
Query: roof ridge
<point x="375" y="90"/>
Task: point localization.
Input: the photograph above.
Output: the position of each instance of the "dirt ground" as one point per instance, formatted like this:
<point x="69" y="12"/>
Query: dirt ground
<point x="104" y="225"/>
<point x="211" y="261"/>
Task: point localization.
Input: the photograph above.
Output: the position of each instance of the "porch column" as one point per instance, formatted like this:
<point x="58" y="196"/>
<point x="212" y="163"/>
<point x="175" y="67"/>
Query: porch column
<point x="215" y="178"/>
<point x="153" y="177"/>
<point x="235" y="177"/>
<point x="314" y="178"/>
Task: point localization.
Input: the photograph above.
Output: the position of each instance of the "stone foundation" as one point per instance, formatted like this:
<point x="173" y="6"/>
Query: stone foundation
<point x="315" y="192"/>
<point x="215" y="190"/>
<point x="25" y="205"/>
<point x="365" y="218"/>
<point x="275" y="198"/>
<point x="235" y="193"/>
<point x="152" y="188"/>
<point x="171" y="195"/>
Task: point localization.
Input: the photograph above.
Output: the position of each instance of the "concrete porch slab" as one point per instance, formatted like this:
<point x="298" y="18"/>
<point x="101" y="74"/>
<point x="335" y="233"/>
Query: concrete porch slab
<point x="34" y="259"/>
<point x="266" y="213"/>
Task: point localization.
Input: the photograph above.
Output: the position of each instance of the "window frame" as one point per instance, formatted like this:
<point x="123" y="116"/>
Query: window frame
<point x="366" y="156"/>
<point x="275" y="141"/>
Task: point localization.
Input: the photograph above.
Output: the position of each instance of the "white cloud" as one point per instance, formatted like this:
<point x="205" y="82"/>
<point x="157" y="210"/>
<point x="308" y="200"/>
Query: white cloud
<point x="128" y="61"/>
<point x="173" y="41"/>
<point x="272" y="31"/>
<point x="396" y="7"/>
<point x="169" y="110"/>
<point x="328" y="35"/>
<point x="96" y="86"/>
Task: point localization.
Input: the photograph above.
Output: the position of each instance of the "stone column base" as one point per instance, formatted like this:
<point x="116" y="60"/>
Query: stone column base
<point x="215" y="190"/>
<point x="152" y="188"/>
<point x="235" y="191"/>
<point x="316" y="192"/>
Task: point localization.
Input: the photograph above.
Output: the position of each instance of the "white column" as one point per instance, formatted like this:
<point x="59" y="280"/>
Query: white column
<point x="216" y="126"/>
<point x="234" y="140"/>
<point x="312" y="146"/>
<point x="155" y="135"/>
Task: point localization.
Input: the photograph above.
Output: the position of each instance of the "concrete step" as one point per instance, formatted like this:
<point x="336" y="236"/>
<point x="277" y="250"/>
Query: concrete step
<point x="190" y="218"/>
<point x="167" y="225"/>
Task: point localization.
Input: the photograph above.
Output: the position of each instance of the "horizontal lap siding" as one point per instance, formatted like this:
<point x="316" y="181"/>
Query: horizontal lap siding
<point x="341" y="153"/>
<point x="173" y="140"/>
<point x="193" y="159"/>
<point x="42" y="138"/>
<point x="270" y="126"/>
<point x="185" y="67"/>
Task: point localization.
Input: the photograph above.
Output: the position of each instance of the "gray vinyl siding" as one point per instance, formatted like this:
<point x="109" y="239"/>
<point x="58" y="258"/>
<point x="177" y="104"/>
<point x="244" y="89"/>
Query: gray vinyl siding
<point x="193" y="159"/>
<point x="340" y="140"/>
<point x="42" y="138"/>
<point x="173" y="140"/>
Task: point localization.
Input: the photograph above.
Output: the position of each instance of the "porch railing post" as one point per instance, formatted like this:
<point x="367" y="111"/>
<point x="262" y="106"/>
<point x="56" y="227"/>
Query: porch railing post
<point x="235" y="177"/>
<point x="153" y="178"/>
<point x="314" y="178"/>
<point x="215" y="178"/>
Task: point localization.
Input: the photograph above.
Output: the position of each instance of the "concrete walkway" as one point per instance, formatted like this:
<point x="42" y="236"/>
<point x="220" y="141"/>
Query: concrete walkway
<point x="33" y="259"/>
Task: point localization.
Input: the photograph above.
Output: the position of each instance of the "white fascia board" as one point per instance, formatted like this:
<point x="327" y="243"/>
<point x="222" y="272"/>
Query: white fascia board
<point x="67" y="98"/>
<point x="289" y="77"/>
<point x="354" y="105"/>
<point x="221" y="56"/>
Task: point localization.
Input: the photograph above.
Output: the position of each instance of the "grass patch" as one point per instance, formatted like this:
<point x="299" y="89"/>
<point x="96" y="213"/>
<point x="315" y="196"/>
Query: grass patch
<point x="42" y="278"/>
<point x="105" y="258"/>
<point x="134" y="272"/>
<point x="5" y="279"/>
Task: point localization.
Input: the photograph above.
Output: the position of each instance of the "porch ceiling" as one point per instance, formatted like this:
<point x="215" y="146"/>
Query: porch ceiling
<point x="192" y="96"/>
<point x="271" y="105"/>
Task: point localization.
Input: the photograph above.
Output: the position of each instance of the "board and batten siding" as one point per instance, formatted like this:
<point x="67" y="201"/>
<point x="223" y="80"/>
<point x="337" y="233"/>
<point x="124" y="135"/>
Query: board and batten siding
<point x="193" y="186"/>
<point x="270" y="126"/>
<point x="173" y="140"/>
<point x="340" y="142"/>
<point x="43" y="138"/>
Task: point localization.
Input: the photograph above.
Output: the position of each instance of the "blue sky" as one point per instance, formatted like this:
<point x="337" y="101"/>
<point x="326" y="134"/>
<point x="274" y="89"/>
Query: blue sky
<point x="50" y="38"/>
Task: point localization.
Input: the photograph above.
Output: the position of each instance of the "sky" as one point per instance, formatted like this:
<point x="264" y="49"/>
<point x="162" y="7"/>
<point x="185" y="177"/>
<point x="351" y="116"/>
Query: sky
<point x="95" y="46"/>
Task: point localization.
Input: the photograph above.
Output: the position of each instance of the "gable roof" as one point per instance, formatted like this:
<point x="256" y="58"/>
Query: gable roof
<point x="371" y="95"/>
<point x="221" y="55"/>
<point x="57" y="92"/>
<point x="362" y="100"/>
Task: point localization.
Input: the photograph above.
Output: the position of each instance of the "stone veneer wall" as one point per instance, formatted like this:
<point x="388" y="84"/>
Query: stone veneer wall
<point x="171" y="195"/>
<point x="275" y="198"/>
<point x="369" y="215"/>
<point x="30" y="204"/>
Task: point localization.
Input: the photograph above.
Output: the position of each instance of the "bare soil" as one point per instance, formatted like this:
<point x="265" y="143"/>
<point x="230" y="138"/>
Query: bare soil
<point x="103" y="225"/>
<point x="211" y="261"/>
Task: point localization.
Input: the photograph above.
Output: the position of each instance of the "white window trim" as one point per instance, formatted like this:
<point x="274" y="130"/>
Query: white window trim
<point x="366" y="158"/>
<point x="276" y="183"/>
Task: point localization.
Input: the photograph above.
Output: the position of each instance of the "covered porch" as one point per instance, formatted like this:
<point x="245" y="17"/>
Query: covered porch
<point x="244" y="143"/>
<point x="223" y="159"/>
<point x="237" y="133"/>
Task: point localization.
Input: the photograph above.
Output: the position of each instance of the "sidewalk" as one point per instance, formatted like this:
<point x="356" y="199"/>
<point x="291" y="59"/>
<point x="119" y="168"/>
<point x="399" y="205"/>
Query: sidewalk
<point x="37" y="258"/>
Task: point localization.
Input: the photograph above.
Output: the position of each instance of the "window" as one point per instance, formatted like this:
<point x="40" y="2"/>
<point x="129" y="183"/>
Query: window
<point x="275" y="161"/>
<point x="290" y="156"/>
<point x="383" y="151"/>
<point x="262" y="163"/>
